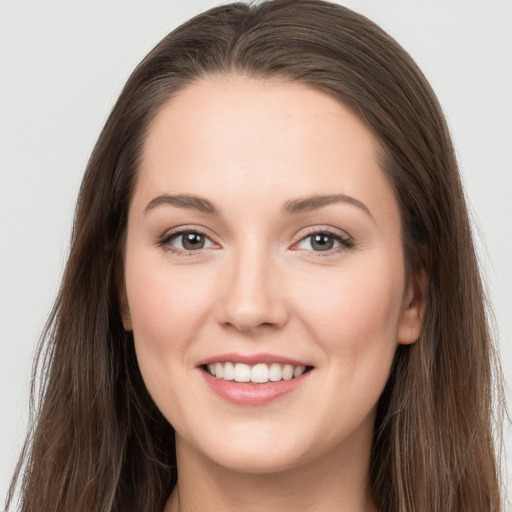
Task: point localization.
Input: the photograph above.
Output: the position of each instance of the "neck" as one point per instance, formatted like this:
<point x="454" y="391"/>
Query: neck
<point x="337" y="482"/>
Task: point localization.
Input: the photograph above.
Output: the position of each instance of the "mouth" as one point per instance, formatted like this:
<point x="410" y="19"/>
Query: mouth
<point x="254" y="379"/>
<point x="259" y="373"/>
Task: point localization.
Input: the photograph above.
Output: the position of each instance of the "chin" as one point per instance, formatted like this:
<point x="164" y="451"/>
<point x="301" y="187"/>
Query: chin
<point x="245" y="447"/>
<point x="257" y="460"/>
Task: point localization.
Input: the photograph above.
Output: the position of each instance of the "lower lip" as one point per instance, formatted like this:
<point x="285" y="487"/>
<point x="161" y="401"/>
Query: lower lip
<point x="242" y="393"/>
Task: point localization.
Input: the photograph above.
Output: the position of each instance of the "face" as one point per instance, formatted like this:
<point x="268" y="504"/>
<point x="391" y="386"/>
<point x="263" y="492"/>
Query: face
<point x="264" y="246"/>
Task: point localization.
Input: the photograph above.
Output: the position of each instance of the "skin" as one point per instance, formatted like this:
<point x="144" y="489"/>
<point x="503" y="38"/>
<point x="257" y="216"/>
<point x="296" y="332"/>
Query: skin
<point x="260" y="286"/>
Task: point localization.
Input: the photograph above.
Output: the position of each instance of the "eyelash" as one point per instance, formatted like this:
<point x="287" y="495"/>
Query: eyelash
<point x="345" y="241"/>
<point x="165" y="242"/>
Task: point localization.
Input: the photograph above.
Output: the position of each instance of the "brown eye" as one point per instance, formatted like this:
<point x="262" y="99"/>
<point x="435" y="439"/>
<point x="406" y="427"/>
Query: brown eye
<point x="322" y="242"/>
<point x="186" y="241"/>
<point x="191" y="241"/>
<point x="325" y="241"/>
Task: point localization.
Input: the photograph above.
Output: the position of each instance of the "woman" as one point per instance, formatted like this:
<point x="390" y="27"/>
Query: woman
<point x="272" y="300"/>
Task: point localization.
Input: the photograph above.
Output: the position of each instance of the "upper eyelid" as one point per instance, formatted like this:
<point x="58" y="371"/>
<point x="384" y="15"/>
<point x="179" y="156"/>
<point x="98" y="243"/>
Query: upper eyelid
<point x="327" y="230"/>
<point x="180" y="230"/>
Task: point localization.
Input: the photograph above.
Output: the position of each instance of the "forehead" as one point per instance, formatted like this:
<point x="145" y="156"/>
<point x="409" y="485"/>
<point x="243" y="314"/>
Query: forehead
<point x="236" y="137"/>
<point x="255" y="114"/>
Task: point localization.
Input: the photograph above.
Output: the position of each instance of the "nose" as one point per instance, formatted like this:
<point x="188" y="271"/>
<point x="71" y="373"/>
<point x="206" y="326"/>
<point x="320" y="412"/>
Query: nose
<point x="252" y="293"/>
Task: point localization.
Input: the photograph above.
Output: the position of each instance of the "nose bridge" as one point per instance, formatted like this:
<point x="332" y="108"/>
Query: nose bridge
<point x="252" y="293"/>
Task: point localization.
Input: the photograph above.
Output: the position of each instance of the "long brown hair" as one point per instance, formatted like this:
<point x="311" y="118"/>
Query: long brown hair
<point x="98" y="442"/>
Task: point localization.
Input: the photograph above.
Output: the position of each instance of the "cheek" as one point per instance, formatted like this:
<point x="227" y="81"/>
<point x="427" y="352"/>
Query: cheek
<point x="167" y="310"/>
<point x="355" y="319"/>
<point x="356" y="305"/>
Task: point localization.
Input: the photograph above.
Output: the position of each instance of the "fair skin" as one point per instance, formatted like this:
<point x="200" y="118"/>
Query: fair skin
<point x="244" y="274"/>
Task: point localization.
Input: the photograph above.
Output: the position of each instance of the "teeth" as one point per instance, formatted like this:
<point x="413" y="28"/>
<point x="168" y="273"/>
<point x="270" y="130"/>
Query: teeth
<point x="242" y="372"/>
<point x="228" y="373"/>
<point x="298" y="371"/>
<point x="275" y="372"/>
<point x="258" y="373"/>
<point x="287" y="372"/>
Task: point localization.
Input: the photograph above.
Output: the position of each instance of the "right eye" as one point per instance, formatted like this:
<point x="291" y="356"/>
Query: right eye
<point x="186" y="241"/>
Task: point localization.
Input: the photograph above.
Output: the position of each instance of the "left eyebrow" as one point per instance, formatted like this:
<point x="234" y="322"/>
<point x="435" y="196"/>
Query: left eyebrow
<point x="308" y="203"/>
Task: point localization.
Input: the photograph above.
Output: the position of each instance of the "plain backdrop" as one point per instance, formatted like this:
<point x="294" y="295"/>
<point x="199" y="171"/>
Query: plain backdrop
<point x="62" y="65"/>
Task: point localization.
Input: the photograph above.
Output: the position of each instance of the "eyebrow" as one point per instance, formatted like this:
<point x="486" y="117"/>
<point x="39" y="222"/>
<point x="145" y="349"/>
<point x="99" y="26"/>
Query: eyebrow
<point x="308" y="203"/>
<point x="291" y="207"/>
<point x="187" y="201"/>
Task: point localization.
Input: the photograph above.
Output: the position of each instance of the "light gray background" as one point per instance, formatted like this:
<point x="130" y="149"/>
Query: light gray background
<point x="63" y="63"/>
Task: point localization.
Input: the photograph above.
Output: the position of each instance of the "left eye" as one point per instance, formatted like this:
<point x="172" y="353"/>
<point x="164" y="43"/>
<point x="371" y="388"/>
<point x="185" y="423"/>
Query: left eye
<point x="323" y="241"/>
<point x="189" y="241"/>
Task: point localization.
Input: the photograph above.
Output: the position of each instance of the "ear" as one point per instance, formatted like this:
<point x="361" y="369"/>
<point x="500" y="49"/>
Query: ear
<point x="413" y="308"/>
<point x="124" y="308"/>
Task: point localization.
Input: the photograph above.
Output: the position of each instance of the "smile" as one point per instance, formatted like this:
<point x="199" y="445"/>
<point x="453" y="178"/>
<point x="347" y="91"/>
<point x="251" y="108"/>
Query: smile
<point x="255" y="379"/>
<point x="259" y="373"/>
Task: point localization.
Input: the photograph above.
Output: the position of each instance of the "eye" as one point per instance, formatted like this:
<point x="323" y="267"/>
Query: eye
<point x="325" y="241"/>
<point x="186" y="241"/>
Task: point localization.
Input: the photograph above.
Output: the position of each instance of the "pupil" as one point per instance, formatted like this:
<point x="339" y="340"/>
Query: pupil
<point x="322" y="242"/>
<point x="193" y="241"/>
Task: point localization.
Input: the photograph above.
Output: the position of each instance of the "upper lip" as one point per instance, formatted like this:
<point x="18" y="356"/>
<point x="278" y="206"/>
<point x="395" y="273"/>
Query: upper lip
<point x="251" y="359"/>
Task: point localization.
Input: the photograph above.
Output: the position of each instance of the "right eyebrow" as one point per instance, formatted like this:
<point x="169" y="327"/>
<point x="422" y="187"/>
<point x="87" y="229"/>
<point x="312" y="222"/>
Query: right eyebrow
<point x="183" y="201"/>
